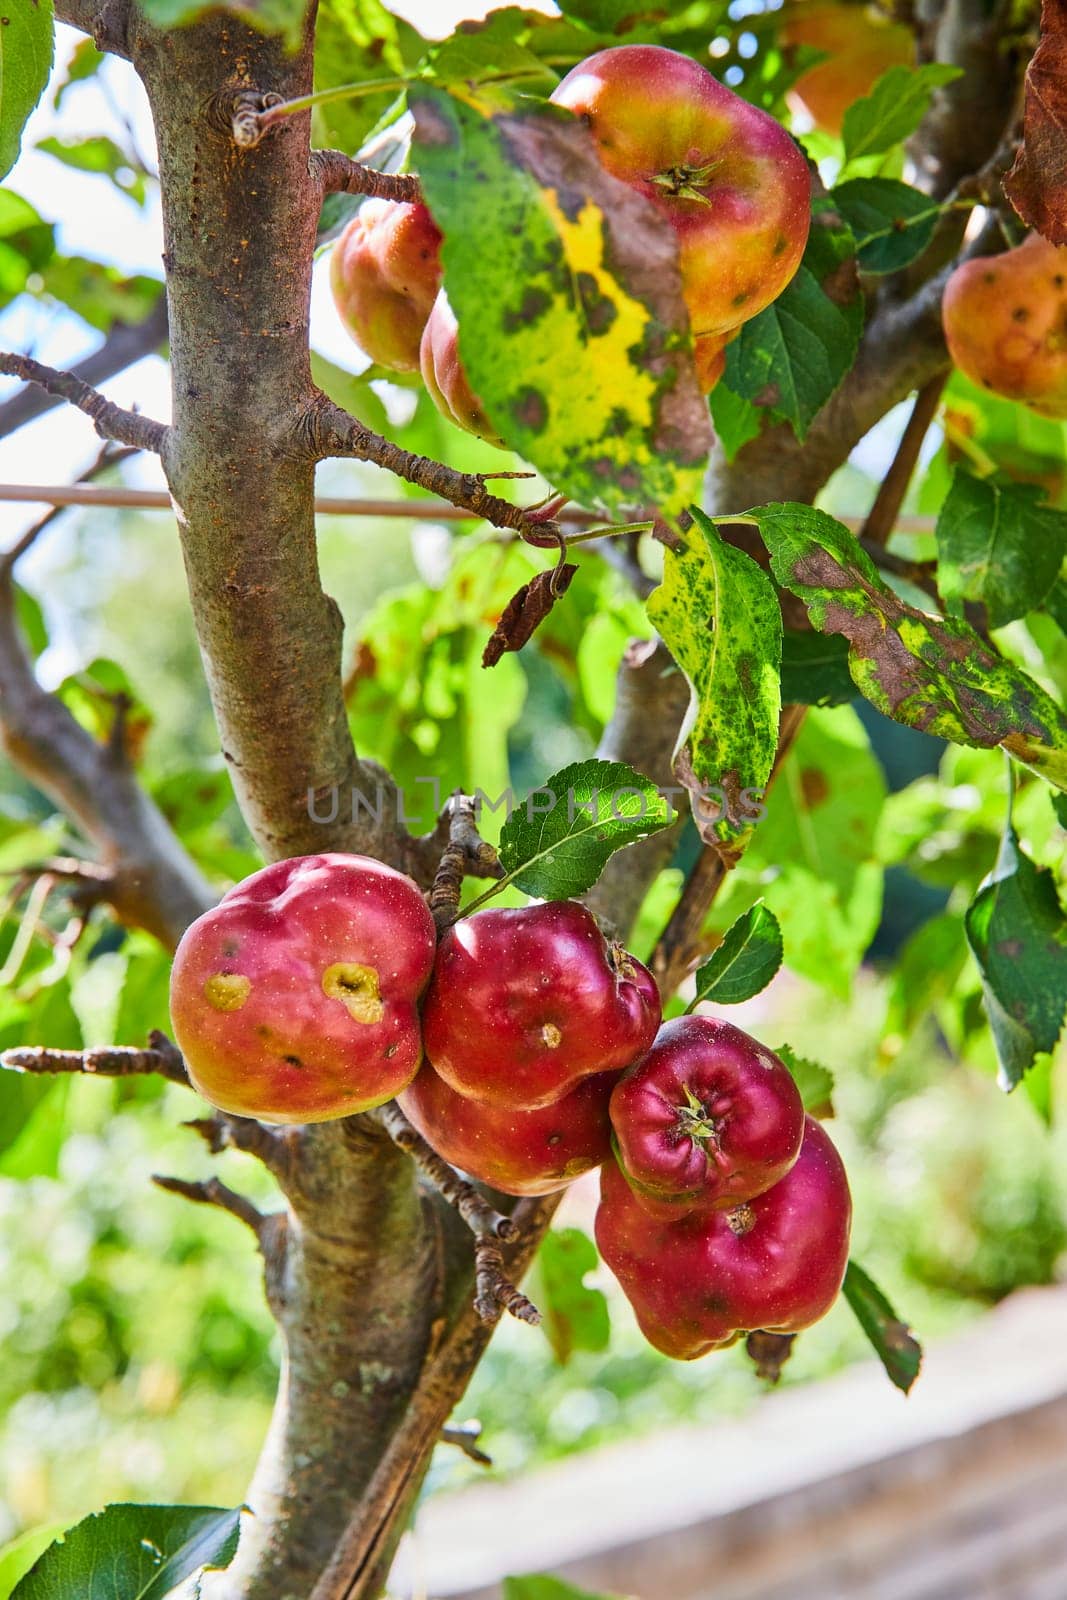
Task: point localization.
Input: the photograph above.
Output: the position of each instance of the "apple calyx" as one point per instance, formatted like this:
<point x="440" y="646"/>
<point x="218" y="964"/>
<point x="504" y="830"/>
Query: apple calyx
<point x="686" y="182"/>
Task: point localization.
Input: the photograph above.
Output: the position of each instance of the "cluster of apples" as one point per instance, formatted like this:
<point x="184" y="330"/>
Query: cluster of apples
<point x="527" y="1049"/>
<point x="725" y="176"/>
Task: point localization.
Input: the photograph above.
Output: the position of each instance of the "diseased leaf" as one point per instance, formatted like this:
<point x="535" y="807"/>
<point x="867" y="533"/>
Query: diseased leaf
<point x="132" y="1552"/>
<point x="892" y="222"/>
<point x="894" y="108"/>
<point x="27" y="43"/>
<point x="1017" y="932"/>
<point x="815" y="669"/>
<point x="720" y="619"/>
<point x="998" y="542"/>
<point x="791" y="357"/>
<point x="744" y="963"/>
<point x="526" y="610"/>
<point x="1037" y="183"/>
<point x="557" y="841"/>
<point x="894" y="1343"/>
<point x="565" y="283"/>
<point x="815" y="1082"/>
<point x="573" y="1316"/>
<point x="934" y="674"/>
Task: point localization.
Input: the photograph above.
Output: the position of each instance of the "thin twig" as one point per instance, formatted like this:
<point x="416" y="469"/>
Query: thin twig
<point x="212" y="1192"/>
<point x="223" y="1131"/>
<point x="327" y="431"/>
<point x="337" y="173"/>
<point x="682" y="940"/>
<point x="110" y="421"/>
<point x="465" y="1437"/>
<point x="494" y="1290"/>
<point x="111" y="1061"/>
<point x="125" y="344"/>
<point x="885" y="509"/>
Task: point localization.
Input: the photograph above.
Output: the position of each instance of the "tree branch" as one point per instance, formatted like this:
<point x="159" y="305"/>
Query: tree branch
<point x="115" y="1061"/>
<point x="465" y="853"/>
<point x="337" y="173"/>
<point x="326" y="430"/>
<point x="109" y="420"/>
<point x="882" y="517"/>
<point x="212" y="1192"/>
<point x="126" y="343"/>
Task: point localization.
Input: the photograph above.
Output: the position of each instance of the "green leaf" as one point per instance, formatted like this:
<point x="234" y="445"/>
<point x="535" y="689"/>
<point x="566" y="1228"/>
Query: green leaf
<point x="18" y="1557"/>
<point x="815" y="1082"/>
<point x="929" y="673"/>
<point x="892" y="222"/>
<point x="101" y="156"/>
<point x="26" y="244"/>
<point x="267" y="16"/>
<point x="132" y="1552"/>
<point x="736" y="419"/>
<point x="354" y="40"/>
<point x="31" y="621"/>
<point x="574" y="1317"/>
<point x="85" y="60"/>
<point x="895" y="1345"/>
<point x="541" y="1586"/>
<point x="98" y="694"/>
<point x="744" y="963"/>
<point x="612" y="16"/>
<point x="565" y="284"/>
<point x="1056" y="604"/>
<point x="27" y="42"/>
<point x="792" y="356"/>
<point x="100" y="294"/>
<point x="925" y="973"/>
<point x="815" y="669"/>
<point x="1018" y="935"/>
<point x="998" y="542"/>
<point x="894" y="108"/>
<point x="720" y="618"/>
<point x="485" y="50"/>
<point x="556" y="843"/>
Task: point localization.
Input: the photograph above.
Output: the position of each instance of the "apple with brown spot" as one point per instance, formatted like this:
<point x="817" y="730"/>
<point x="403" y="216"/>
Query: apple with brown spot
<point x="295" y="999"/>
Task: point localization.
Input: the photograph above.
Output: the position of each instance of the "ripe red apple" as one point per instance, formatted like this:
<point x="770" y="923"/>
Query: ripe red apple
<point x="859" y="45"/>
<point x="776" y="1262"/>
<point x="444" y="377"/>
<point x="294" y="999"/>
<point x="524" y="1003"/>
<point x="1005" y="320"/>
<point x="708" y="1118"/>
<point x="728" y="178"/>
<point x="385" y="271"/>
<point x="518" y="1152"/>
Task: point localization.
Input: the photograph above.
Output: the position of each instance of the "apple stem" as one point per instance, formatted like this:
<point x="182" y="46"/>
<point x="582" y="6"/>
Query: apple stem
<point x="494" y="1290"/>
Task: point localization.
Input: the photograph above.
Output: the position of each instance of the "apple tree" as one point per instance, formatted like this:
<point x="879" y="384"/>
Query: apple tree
<point x="673" y="264"/>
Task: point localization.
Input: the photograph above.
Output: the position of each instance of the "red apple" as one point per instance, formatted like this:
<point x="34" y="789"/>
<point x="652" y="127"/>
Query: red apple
<point x="294" y="999"/>
<point x="524" y="1003"/>
<point x="1005" y="320"/>
<point x="708" y="1118"/>
<point x="859" y="46"/>
<point x="775" y="1262"/>
<point x="728" y="178"/>
<point x="385" y="271"/>
<point x="518" y="1152"/>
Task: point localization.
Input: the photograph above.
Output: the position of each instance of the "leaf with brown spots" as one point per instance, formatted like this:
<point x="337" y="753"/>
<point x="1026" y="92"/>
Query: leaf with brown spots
<point x="896" y="1346"/>
<point x="1037" y="183"/>
<point x="931" y="673"/>
<point x="566" y="287"/>
<point x="1018" y="935"/>
<point x="720" y="619"/>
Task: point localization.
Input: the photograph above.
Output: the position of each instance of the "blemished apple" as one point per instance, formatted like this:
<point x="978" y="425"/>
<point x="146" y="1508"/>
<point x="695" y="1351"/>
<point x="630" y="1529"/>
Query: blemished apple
<point x="1005" y="320"/>
<point x="729" y="179"/>
<point x="385" y="271"/>
<point x="295" y="998"/>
